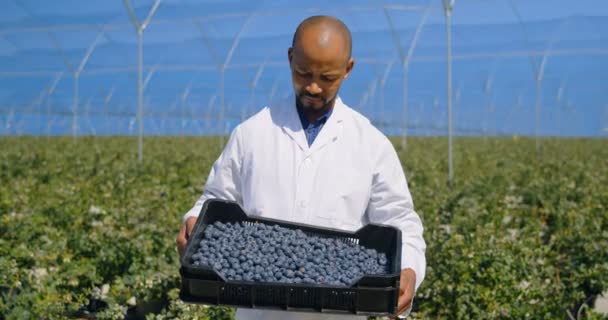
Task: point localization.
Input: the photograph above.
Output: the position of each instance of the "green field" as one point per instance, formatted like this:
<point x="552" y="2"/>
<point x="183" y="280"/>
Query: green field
<point x="85" y="230"/>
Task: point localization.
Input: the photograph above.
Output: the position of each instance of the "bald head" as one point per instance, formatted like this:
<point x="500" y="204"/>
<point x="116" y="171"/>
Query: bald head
<point x="324" y="30"/>
<point x="320" y="59"/>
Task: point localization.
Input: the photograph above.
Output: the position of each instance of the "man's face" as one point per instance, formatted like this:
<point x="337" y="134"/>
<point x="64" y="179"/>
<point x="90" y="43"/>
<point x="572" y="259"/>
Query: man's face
<point x="317" y="71"/>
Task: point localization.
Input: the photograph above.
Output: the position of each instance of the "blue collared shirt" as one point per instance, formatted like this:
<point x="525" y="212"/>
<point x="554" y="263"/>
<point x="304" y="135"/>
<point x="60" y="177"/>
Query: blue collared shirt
<point x="312" y="129"/>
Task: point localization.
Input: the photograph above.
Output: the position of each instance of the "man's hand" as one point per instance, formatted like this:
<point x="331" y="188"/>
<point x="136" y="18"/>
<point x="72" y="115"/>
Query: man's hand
<point x="184" y="234"/>
<point x="407" y="284"/>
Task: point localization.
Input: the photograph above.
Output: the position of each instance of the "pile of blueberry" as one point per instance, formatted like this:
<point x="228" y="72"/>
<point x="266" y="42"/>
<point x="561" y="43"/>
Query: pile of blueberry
<point x="271" y="253"/>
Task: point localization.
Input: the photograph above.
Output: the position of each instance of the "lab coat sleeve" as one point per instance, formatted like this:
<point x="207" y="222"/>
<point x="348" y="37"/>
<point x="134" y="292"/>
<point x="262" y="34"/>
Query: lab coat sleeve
<point x="223" y="181"/>
<point x="391" y="204"/>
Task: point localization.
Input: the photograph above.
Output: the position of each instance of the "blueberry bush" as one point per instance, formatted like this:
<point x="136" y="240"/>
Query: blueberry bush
<point x="86" y="232"/>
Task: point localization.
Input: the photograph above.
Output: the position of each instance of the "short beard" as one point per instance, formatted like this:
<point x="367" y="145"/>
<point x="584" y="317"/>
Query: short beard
<point x="326" y="105"/>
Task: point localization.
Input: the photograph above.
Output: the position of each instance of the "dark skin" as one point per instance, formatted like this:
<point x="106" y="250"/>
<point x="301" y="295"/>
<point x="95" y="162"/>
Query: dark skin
<point x="184" y="235"/>
<point x="320" y="60"/>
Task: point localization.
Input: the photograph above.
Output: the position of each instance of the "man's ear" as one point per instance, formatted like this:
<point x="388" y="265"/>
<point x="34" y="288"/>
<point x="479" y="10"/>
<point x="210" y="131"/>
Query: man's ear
<point x="349" y="67"/>
<point x="290" y="54"/>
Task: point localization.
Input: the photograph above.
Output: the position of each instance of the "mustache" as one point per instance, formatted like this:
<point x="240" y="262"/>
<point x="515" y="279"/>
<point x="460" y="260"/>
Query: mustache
<point x="311" y="96"/>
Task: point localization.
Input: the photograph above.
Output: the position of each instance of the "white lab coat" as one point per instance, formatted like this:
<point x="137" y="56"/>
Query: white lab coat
<point x="348" y="177"/>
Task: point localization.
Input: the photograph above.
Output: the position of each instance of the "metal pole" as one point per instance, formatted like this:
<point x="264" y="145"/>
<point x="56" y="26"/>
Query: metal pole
<point x="9" y="119"/>
<point x="537" y="101"/>
<point x="222" y="125"/>
<point x="183" y="99"/>
<point x="75" y="112"/>
<point x="48" y="102"/>
<point x="436" y="110"/>
<point x="381" y="97"/>
<point x="539" y="79"/>
<point x="220" y="68"/>
<point x="48" y="117"/>
<point x="405" y="101"/>
<point x="365" y="98"/>
<point x="382" y="81"/>
<point x="605" y="128"/>
<point x="77" y="73"/>
<point x="537" y="112"/>
<point x="487" y="87"/>
<point x="235" y="43"/>
<point x="418" y="117"/>
<point x="250" y="104"/>
<point x="139" y="28"/>
<point x="140" y="95"/>
<point x="252" y="87"/>
<point x="448" y="26"/>
<point x="405" y="60"/>
<point x="273" y="89"/>
<point x="210" y="104"/>
<point x="87" y="110"/>
<point x="372" y="95"/>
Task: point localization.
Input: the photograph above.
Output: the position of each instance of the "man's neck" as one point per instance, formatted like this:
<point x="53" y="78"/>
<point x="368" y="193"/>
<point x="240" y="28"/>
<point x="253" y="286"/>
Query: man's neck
<point x="314" y="115"/>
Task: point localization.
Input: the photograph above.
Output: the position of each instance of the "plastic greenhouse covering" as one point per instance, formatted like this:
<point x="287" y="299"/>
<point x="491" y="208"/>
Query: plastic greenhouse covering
<point x="517" y="67"/>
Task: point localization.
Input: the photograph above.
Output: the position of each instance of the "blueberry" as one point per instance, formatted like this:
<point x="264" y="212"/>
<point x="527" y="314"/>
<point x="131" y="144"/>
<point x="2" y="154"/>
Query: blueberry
<point x="272" y="253"/>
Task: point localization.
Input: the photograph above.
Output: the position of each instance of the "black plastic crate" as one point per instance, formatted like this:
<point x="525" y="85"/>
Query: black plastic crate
<point x="374" y="295"/>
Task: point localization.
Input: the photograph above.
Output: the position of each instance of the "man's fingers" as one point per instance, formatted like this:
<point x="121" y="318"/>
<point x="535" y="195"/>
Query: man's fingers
<point x="189" y="226"/>
<point x="181" y="240"/>
<point x="406" y="291"/>
<point x="184" y="235"/>
<point x="405" y="301"/>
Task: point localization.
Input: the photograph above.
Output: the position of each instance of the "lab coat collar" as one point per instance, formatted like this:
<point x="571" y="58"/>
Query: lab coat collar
<point x="292" y="126"/>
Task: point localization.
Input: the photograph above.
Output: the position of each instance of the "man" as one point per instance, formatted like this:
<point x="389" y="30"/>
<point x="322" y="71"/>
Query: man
<point x="312" y="159"/>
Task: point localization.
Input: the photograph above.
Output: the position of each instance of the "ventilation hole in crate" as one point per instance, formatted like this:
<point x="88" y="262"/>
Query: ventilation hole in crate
<point x="302" y="298"/>
<point x="349" y="240"/>
<point x="269" y="296"/>
<point x="340" y="300"/>
<point x="234" y="294"/>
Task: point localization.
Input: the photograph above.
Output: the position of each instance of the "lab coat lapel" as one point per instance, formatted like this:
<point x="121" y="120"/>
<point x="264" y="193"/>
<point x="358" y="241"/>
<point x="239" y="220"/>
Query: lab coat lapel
<point x="291" y="124"/>
<point x="332" y="128"/>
